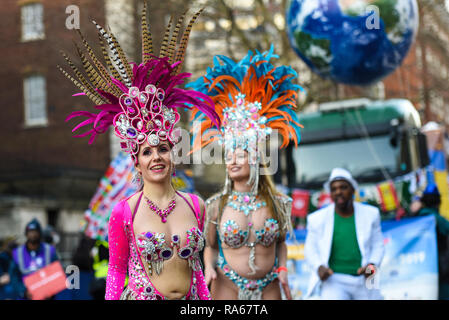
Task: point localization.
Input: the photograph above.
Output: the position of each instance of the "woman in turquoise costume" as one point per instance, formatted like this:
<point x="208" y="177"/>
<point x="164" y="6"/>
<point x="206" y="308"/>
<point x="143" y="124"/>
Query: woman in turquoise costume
<point x="247" y="223"/>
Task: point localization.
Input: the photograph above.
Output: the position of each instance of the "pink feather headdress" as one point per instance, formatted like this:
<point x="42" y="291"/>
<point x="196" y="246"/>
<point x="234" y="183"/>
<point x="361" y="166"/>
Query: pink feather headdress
<point x="140" y="101"/>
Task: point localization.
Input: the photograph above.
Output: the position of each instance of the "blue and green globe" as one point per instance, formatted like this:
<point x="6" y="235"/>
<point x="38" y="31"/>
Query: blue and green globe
<point x="355" y="42"/>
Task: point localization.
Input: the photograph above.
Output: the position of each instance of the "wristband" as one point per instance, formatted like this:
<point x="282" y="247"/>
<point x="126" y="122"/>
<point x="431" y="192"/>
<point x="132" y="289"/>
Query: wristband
<point x="371" y="268"/>
<point x="281" y="269"/>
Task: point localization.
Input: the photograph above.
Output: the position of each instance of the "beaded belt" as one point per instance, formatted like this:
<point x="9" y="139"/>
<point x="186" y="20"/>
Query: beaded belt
<point x="148" y="292"/>
<point x="249" y="289"/>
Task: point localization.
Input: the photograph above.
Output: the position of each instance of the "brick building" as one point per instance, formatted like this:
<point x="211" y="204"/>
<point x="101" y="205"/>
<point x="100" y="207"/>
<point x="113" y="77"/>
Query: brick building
<point x="44" y="172"/>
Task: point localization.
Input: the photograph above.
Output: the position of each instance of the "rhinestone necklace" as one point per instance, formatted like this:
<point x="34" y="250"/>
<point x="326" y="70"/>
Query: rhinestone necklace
<point x="245" y="202"/>
<point x="162" y="213"/>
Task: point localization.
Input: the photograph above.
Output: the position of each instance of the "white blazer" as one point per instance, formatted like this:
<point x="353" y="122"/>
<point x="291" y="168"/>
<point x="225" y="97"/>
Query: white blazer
<point x="320" y="229"/>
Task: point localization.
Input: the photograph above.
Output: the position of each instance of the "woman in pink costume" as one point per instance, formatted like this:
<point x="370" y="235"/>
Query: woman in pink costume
<point x="155" y="236"/>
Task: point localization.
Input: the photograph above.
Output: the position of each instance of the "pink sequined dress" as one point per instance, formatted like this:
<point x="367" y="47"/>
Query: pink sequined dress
<point x="126" y="252"/>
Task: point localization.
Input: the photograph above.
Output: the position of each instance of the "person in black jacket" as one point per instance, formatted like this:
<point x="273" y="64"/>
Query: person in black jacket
<point x="11" y="285"/>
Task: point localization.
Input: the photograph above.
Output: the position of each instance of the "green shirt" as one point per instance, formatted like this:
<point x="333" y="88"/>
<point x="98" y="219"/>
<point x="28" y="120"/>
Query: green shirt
<point x="345" y="252"/>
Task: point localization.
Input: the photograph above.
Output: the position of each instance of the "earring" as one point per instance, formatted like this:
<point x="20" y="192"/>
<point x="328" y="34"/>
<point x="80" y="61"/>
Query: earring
<point x="174" y="171"/>
<point x="139" y="177"/>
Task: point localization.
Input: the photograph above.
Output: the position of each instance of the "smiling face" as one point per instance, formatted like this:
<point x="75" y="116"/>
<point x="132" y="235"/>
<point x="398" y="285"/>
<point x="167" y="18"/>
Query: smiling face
<point x="341" y="193"/>
<point x="237" y="165"/>
<point x="155" y="163"/>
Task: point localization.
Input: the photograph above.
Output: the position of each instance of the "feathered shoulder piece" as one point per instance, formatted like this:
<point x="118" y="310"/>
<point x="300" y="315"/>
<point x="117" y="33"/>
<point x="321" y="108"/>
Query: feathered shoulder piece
<point x="140" y="101"/>
<point x="252" y="97"/>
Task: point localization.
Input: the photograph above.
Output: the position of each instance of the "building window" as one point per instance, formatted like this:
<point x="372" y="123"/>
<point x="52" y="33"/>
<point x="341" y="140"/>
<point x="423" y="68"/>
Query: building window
<point x="35" y="98"/>
<point x="32" y="22"/>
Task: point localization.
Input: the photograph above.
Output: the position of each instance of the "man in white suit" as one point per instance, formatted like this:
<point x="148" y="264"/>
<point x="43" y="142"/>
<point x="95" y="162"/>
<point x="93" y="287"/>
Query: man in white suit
<point x="344" y="244"/>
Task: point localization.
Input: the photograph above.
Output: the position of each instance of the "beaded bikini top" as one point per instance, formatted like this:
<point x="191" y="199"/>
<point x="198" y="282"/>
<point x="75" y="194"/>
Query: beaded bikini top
<point x="154" y="248"/>
<point x="231" y="234"/>
<point x="247" y="203"/>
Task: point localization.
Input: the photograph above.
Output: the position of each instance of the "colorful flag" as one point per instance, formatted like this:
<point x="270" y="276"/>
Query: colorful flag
<point x="115" y="185"/>
<point x="324" y="200"/>
<point x="388" y="196"/>
<point x="300" y="206"/>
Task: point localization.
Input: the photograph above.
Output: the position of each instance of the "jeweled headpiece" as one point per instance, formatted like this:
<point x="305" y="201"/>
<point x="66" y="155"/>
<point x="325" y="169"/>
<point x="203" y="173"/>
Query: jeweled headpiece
<point x="252" y="97"/>
<point x="140" y="101"/>
<point x="243" y="127"/>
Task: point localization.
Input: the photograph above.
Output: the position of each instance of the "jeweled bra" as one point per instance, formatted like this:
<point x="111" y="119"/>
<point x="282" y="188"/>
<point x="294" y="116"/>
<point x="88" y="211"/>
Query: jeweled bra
<point x="140" y="286"/>
<point x="234" y="237"/>
<point x="155" y="250"/>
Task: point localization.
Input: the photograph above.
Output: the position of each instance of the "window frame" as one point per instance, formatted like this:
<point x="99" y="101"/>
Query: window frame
<point x="32" y="98"/>
<point x="30" y="21"/>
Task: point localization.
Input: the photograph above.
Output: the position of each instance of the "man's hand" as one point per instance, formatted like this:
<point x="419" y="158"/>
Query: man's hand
<point x="324" y="272"/>
<point x="367" y="270"/>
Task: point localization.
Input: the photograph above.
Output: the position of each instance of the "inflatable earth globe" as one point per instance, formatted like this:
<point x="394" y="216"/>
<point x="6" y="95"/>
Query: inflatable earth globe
<point x="355" y="42"/>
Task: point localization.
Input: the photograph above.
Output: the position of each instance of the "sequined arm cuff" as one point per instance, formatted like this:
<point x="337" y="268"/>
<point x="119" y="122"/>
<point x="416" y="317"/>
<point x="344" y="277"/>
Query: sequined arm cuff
<point x="118" y="253"/>
<point x="203" y="290"/>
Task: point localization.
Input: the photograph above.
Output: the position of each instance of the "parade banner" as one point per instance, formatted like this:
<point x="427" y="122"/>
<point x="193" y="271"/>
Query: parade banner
<point x="409" y="269"/>
<point x="298" y="270"/>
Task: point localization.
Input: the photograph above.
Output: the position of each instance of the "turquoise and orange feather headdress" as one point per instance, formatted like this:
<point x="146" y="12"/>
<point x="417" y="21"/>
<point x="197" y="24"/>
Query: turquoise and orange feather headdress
<point x="252" y="97"/>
